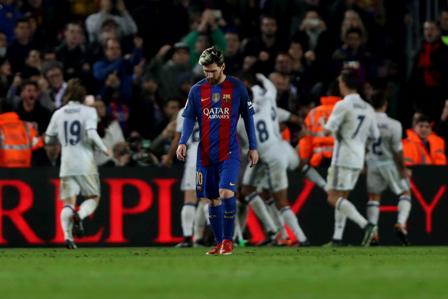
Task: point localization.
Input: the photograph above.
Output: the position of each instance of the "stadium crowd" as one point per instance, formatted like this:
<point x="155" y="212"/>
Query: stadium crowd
<point x="138" y="60"/>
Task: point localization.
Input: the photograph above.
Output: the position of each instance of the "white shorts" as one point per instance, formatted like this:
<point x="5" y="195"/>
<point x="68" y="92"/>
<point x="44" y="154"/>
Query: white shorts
<point x="84" y="185"/>
<point x="291" y="156"/>
<point x="342" y="178"/>
<point x="379" y="178"/>
<point x="271" y="175"/>
<point x="189" y="178"/>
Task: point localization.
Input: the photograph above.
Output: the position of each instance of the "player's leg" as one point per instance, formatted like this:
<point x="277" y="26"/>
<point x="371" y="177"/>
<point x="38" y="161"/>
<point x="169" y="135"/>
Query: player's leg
<point x="228" y="177"/>
<point x="188" y="211"/>
<point x="251" y="178"/>
<point x="378" y="178"/>
<point x="278" y="181"/>
<point x="90" y="191"/>
<point x="200" y="222"/>
<point x="340" y="182"/>
<point x="282" y="237"/>
<point x="400" y="187"/>
<point x="207" y="190"/>
<point x="69" y="191"/>
<point x="404" y="209"/>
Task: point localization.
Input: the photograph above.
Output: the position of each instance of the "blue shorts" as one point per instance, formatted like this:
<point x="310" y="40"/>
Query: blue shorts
<point x="209" y="179"/>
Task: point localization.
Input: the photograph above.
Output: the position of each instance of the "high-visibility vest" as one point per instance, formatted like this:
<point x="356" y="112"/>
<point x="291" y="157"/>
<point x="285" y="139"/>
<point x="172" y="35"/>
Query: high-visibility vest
<point x="17" y="141"/>
<point x="312" y="147"/>
<point x="415" y="153"/>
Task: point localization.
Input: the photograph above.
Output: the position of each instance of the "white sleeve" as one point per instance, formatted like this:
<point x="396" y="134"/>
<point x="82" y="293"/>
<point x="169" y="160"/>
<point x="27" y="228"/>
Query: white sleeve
<point x="92" y="119"/>
<point x="283" y="115"/>
<point x="336" y="117"/>
<point x="397" y="145"/>
<point x="96" y="139"/>
<point x="51" y="134"/>
<point x="179" y="121"/>
<point x="374" y="131"/>
<point x="271" y="91"/>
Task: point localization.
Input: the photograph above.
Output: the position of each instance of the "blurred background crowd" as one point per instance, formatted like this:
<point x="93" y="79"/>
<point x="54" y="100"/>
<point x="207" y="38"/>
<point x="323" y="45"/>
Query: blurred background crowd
<point x="138" y="60"/>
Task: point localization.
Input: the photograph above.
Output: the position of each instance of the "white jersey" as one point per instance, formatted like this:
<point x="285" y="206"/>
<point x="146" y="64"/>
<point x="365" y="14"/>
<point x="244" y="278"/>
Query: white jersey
<point x="70" y="125"/>
<point x="193" y="141"/>
<point x="352" y="122"/>
<point x="265" y="117"/>
<point x="383" y="149"/>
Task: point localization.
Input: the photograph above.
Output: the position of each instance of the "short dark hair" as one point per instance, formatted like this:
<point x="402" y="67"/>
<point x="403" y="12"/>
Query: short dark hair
<point x="22" y="20"/>
<point x="378" y="99"/>
<point x="422" y="118"/>
<point x="75" y="91"/>
<point x="210" y="56"/>
<point x="333" y="89"/>
<point x="27" y="82"/>
<point x="51" y="65"/>
<point x="351" y="79"/>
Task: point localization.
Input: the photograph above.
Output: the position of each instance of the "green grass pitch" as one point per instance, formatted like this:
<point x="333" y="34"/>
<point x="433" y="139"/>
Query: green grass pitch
<point x="272" y="273"/>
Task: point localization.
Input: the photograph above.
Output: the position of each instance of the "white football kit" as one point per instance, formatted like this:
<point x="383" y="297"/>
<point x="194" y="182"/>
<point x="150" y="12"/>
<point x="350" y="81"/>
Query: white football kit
<point x="74" y="125"/>
<point x="189" y="176"/>
<point x="382" y="171"/>
<point x="273" y="164"/>
<point x="352" y="123"/>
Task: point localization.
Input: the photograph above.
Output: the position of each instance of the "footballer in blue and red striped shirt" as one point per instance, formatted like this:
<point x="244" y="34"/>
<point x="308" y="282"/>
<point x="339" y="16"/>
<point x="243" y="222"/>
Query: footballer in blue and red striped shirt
<point x="216" y="103"/>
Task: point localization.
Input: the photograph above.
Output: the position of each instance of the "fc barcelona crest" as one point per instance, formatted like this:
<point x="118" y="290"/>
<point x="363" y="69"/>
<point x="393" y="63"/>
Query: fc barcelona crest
<point x="226" y="98"/>
<point x="216" y="97"/>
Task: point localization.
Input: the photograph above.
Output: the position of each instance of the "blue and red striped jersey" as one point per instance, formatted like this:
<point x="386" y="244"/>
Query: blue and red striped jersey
<point x="217" y="109"/>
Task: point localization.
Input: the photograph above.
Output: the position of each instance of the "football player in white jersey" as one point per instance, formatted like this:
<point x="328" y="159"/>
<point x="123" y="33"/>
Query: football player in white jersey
<point x="190" y="215"/>
<point x="352" y="123"/>
<point x="74" y="127"/>
<point x="274" y="165"/>
<point x="386" y="168"/>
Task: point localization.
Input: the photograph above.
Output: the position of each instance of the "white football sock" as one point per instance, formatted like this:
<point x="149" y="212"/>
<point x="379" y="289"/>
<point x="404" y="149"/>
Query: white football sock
<point x="339" y="225"/>
<point x="277" y="217"/>
<point x="87" y="208"/>
<point x="257" y="204"/>
<point x="199" y="221"/>
<point x="404" y="208"/>
<point x="349" y="210"/>
<point x="242" y="215"/>
<point x="373" y="211"/>
<point x="291" y="221"/>
<point x="206" y="213"/>
<point x="187" y="218"/>
<point x="312" y="174"/>
<point x="67" y="221"/>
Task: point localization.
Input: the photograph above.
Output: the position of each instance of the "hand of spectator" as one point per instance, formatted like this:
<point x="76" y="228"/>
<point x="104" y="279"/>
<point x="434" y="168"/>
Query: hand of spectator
<point x="263" y="56"/>
<point x="444" y="115"/>
<point x="86" y="67"/>
<point x="113" y="81"/>
<point x="138" y="42"/>
<point x="310" y="56"/>
<point x="121" y="7"/>
<point x="138" y="70"/>
<point x="181" y="152"/>
<point x="163" y="50"/>
<point x="17" y="80"/>
<point x="166" y="161"/>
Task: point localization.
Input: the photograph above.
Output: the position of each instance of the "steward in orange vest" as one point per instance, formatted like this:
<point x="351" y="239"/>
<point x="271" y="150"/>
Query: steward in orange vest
<point x="313" y="147"/>
<point x="422" y="146"/>
<point x="17" y="141"/>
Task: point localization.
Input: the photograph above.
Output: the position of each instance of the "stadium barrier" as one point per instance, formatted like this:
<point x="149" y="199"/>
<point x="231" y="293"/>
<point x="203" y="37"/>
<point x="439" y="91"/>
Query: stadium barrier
<point x="141" y="207"/>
